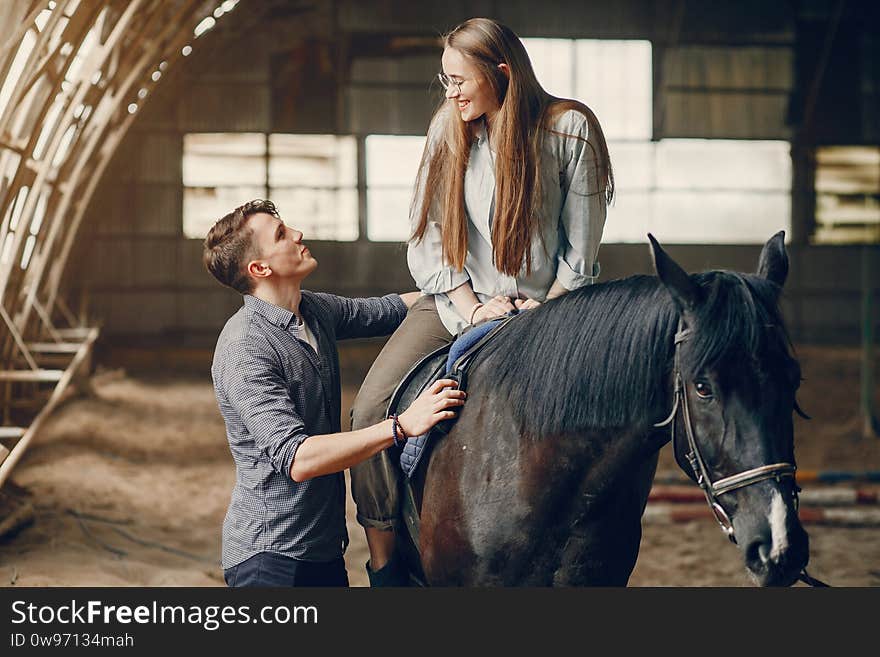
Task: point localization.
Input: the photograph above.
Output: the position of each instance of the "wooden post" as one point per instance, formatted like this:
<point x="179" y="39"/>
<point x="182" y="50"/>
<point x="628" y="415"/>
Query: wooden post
<point x="870" y="424"/>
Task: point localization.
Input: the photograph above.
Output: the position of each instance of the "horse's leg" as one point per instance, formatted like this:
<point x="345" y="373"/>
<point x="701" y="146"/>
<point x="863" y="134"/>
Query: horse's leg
<point x="603" y="547"/>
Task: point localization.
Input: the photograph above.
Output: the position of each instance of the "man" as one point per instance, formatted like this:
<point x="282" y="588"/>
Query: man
<point x="276" y="376"/>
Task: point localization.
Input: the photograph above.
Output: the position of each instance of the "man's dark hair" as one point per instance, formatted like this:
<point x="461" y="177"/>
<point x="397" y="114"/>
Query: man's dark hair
<point x="229" y="245"/>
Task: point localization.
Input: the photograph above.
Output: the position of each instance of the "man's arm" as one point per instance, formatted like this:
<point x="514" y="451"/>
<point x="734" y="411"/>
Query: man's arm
<point x="364" y="317"/>
<point x="254" y="386"/>
<point x="328" y="453"/>
<point x="252" y="389"/>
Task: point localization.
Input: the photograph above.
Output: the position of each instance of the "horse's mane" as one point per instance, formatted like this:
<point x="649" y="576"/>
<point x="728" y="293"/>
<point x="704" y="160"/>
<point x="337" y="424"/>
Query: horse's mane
<point x="613" y="344"/>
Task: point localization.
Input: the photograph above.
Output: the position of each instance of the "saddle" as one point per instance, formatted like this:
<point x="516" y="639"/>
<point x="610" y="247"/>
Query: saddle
<point x="451" y="361"/>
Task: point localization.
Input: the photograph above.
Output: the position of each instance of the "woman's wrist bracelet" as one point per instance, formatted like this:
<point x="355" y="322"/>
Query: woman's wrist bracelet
<point x="474" y="310"/>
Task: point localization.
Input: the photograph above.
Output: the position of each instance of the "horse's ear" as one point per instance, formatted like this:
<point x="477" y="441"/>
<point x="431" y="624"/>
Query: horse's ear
<point x="684" y="291"/>
<point x="773" y="263"/>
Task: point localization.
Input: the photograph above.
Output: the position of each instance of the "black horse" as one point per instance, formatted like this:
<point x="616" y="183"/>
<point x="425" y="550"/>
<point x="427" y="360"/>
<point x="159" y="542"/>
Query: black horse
<point x="544" y="477"/>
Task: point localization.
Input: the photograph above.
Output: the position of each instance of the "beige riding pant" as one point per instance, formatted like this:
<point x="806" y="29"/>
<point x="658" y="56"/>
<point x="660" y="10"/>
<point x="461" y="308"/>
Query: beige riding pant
<point x="375" y="482"/>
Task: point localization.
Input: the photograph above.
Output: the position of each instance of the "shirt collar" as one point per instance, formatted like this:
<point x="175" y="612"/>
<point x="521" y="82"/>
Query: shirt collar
<point x="280" y="317"/>
<point x="480" y="134"/>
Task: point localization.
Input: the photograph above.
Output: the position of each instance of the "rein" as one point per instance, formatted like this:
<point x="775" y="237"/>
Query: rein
<point x="712" y="490"/>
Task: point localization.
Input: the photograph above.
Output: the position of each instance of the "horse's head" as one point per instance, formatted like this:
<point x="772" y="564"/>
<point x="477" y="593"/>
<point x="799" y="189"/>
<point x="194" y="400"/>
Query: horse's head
<point x="738" y="381"/>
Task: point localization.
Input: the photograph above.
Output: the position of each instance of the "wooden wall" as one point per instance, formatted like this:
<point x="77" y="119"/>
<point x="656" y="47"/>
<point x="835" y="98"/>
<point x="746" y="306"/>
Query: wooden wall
<point x="722" y="70"/>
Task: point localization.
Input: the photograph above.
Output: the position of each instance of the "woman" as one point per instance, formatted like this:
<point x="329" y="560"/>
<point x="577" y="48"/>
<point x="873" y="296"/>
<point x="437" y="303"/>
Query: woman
<point x="508" y="211"/>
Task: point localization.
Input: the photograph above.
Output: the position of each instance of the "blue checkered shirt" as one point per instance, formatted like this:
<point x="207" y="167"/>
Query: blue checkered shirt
<point x="274" y="391"/>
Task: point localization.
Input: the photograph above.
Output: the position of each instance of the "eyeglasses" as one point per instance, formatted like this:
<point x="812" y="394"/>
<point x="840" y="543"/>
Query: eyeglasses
<point x="447" y="82"/>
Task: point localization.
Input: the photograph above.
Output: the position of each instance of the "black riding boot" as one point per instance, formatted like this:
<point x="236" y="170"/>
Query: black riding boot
<point x="393" y="573"/>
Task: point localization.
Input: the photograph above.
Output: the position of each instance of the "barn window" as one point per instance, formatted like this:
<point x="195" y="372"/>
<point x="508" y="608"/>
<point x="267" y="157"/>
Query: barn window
<point x="612" y="77"/>
<point x="847" y="194"/>
<point x="313" y="181"/>
<point x="700" y="190"/>
<point x="392" y="162"/>
<point x="683" y="190"/>
<point x="220" y="172"/>
<point x="311" y="178"/>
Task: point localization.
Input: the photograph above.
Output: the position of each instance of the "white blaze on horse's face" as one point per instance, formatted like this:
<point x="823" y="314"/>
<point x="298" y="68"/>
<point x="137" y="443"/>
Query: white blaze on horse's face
<point x="778" y="532"/>
<point x="776" y="547"/>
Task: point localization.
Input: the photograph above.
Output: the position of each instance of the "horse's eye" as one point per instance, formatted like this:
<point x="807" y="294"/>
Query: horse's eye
<point x="704" y="390"/>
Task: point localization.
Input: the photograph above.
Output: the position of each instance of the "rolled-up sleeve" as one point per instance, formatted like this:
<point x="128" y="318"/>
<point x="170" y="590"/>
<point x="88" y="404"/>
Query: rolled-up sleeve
<point x="425" y="256"/>
<point x="582" y="217"/>
<point x="425" y="260"/>
<point x="256" y="390"/>
<point x="367" y="317"/>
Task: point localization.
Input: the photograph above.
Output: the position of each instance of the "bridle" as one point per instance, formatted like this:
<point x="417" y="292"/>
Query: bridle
<point x="714" y="489"/>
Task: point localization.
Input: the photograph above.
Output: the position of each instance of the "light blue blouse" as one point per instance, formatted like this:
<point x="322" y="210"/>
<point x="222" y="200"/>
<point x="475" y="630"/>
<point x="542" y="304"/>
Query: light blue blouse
<point x="573" y="212"/>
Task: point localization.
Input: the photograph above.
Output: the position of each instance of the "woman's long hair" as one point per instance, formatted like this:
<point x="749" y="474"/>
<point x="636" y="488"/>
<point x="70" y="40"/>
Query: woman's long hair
<point x="526" y="113"/>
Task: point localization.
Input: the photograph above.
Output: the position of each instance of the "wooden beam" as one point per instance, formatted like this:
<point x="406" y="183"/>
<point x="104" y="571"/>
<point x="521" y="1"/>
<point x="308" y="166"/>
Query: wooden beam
<point x="45" y="362"/>
<point x="137" y="65"/>
<point x="18" y="339"/>
<point x="47" y="320"/>
<point x="33" y="376"/>
<point x="109" y="137"/>
<point x="15" y="454"/>
<point x="54" y="347"/>
<point x="77" y="332"/>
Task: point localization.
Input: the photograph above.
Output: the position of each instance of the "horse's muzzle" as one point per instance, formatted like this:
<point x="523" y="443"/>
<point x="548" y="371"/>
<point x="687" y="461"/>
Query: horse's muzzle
<point x="769" y="567"/>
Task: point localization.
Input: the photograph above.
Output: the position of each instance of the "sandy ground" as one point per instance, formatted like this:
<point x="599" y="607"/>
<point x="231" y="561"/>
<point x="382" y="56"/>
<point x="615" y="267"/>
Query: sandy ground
<point x="129" y="486"/>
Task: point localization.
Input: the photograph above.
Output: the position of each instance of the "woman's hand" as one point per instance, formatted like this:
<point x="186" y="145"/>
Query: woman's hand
<point x="526" y="304"/>
<point x="432" y="406"/>
<point x="409" y="298"/>
<point x="492" y="309"/>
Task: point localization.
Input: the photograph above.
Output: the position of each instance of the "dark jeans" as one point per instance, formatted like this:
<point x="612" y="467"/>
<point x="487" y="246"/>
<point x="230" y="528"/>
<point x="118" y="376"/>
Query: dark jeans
<point x="270" y="569"/>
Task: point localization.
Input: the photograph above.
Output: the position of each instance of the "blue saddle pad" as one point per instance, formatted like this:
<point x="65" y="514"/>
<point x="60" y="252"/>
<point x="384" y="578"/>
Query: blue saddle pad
<point x="467" y="340"/>
<point x="415" y="446"/>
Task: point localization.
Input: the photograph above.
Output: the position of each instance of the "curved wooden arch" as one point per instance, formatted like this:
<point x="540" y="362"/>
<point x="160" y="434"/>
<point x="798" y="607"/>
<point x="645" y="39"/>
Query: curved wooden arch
<point x="73" y="75"/>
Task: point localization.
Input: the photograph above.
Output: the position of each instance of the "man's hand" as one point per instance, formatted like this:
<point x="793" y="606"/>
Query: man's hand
<point x="432" y="406"/>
